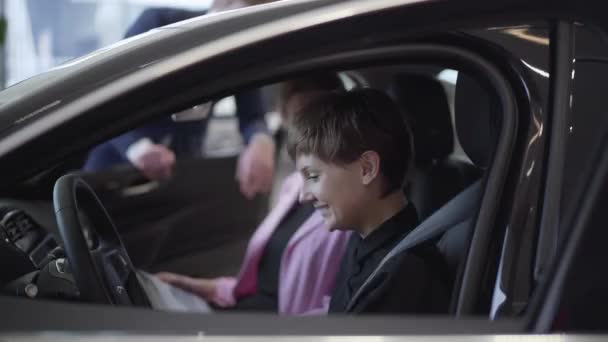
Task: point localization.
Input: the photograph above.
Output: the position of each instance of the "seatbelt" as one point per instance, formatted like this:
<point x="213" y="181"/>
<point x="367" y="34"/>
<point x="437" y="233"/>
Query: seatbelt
<point x="457" y="210"/>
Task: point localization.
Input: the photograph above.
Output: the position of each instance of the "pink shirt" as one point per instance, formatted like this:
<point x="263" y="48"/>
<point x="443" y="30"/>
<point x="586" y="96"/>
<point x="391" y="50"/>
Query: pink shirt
<point x="309" y="264"/>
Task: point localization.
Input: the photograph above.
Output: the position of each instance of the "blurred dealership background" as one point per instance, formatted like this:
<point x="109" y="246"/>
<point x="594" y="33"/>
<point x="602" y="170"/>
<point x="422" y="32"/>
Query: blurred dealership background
<point x="41" y="34"/>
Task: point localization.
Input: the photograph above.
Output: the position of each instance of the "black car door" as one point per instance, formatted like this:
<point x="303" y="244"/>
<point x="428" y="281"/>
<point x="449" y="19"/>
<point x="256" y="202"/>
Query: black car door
<point x="365" y="25"/>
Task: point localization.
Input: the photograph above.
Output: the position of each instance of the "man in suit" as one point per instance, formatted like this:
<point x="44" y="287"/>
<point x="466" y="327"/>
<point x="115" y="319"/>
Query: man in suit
<point x="153" y="148"/>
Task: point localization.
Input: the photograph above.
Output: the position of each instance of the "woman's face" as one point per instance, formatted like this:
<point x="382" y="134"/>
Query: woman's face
<point x="336" y="191"/>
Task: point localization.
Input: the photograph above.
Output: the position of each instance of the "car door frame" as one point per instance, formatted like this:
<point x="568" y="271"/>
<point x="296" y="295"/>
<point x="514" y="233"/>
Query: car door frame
<point x="138" y="78"/>
<point x="423" y="53"/>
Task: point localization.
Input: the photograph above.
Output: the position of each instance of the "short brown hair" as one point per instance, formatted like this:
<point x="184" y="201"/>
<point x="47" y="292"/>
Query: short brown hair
<point x="340" y="126"/>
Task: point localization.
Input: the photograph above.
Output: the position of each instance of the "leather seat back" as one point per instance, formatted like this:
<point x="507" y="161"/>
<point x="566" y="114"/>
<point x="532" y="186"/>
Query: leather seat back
<point x="436" y="176"/>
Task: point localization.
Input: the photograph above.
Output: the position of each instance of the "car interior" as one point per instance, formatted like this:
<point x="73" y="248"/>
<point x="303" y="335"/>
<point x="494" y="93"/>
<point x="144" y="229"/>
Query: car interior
<point x="198" y="223"/>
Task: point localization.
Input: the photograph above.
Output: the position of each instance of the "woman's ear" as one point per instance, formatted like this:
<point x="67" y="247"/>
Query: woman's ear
<point x="370" y="166"/>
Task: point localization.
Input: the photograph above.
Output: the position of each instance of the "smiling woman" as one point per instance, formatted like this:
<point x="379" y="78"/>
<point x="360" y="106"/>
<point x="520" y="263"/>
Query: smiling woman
<point x="363" y="135"/>
<point x="353" y="150"/>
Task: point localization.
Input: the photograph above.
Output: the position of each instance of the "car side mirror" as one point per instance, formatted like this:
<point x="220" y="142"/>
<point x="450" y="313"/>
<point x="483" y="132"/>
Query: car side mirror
<point x="196" y="113"/>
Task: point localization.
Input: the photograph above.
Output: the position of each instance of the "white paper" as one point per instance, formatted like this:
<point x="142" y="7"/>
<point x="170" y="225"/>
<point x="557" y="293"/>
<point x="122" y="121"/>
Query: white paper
<point x="164" y="296"/>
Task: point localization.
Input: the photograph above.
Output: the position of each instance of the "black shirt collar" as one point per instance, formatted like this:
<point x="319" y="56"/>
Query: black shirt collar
<point x="389" y="233"/>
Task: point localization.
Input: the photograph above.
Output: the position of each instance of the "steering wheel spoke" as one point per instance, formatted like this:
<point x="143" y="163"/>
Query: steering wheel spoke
<point x="116" y="271"/>
<point x="117" y="263"/>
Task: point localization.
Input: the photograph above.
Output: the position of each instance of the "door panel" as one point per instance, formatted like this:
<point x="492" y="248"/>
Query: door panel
<point x="40" y="316"/>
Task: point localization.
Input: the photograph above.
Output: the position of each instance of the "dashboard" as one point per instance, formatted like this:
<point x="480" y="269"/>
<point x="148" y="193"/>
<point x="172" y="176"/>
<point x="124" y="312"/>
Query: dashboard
<point x="28" y="234"/>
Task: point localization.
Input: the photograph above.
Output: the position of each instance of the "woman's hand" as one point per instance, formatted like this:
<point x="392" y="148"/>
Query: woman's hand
<point x="205" y="288"/>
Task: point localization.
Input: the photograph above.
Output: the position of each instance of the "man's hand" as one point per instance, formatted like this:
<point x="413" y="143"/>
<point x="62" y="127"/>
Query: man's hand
<point x="204" y="288"/>
<point x="255" y="168"/>
<point x="155" y="161"/>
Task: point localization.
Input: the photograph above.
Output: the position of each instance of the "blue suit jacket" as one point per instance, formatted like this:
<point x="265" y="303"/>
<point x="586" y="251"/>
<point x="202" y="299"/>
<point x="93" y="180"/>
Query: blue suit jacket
<point x="250" y="109"/>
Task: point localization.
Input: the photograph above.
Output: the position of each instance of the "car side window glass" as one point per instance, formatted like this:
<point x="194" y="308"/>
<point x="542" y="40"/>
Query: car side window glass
<point x="222" y="135"/>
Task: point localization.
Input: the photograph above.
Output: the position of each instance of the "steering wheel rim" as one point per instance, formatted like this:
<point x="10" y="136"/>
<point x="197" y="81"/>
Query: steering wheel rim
<point x="99" y="262"/>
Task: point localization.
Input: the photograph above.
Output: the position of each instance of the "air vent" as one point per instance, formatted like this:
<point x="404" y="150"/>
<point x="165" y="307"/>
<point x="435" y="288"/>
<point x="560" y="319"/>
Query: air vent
<point x="15" y="223"/>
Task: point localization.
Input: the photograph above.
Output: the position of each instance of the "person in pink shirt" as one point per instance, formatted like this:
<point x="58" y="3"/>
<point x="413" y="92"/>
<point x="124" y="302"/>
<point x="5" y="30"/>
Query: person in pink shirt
<point x="292" y="259"/>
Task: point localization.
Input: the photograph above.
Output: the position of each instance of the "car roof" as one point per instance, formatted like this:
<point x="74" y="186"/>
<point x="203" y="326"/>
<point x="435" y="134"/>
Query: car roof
<point x="38" y="95"/>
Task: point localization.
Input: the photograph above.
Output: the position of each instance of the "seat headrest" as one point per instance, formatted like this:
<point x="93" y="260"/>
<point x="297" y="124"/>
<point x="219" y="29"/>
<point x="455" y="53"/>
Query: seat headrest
<point x="425" y="104"/>
<point x="477" y="112"/>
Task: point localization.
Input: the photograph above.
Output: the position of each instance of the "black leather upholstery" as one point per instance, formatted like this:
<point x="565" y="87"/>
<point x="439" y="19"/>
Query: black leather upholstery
<point x="435" y="178"/>
<point x="477" y="120"/>
<point x="426" y="107"/>
<point x="477" y="126"/>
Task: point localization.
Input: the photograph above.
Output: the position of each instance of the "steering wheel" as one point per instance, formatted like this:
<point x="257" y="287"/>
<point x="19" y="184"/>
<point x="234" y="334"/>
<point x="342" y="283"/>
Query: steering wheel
<point x="97" y="257"/>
